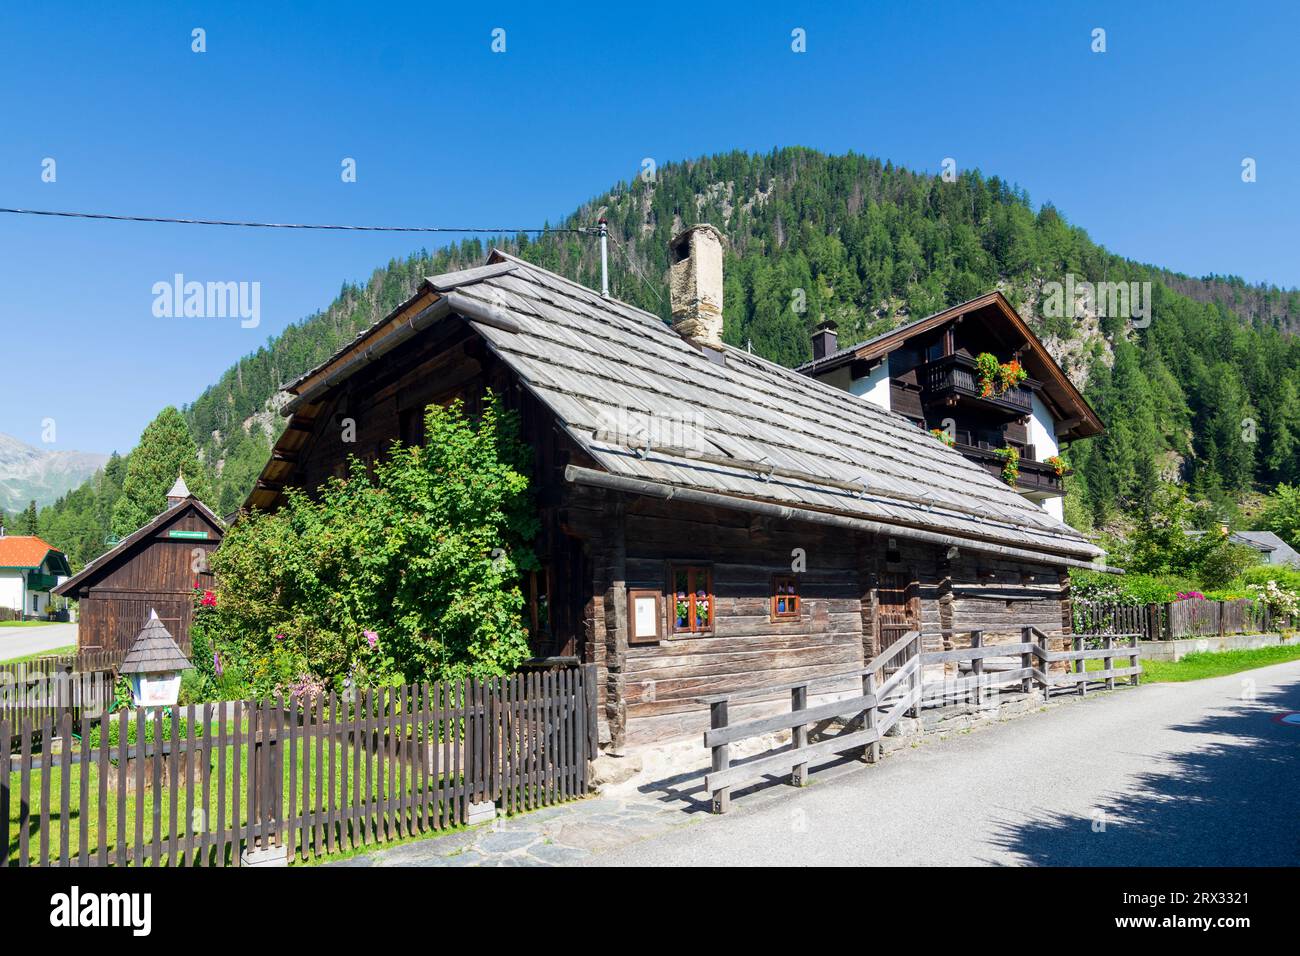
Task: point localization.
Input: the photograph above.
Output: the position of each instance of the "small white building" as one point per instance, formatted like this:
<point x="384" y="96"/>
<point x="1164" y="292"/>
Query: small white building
<point x="29" y="570"/>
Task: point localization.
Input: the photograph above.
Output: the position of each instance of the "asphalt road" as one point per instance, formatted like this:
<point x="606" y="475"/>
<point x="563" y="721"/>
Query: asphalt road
<point x="1162" y="775"/>
<point x="21" y="641"/>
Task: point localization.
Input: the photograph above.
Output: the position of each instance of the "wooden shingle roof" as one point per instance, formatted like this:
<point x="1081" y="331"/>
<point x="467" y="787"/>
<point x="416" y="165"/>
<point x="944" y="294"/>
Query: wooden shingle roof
<point x="647" y="405"/>
<point x="154" y="651"/>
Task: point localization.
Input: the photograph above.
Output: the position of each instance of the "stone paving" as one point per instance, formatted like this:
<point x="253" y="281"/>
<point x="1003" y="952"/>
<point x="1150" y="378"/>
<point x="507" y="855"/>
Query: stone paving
<point x="556" y="836"/>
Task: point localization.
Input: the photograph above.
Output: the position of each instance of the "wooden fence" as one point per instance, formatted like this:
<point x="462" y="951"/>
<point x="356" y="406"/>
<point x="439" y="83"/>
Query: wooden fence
<point x="868" y="717"/>
<point x="1175" y="619"/>
<point x="207" y="784"/>
<point x="30" y="694"/>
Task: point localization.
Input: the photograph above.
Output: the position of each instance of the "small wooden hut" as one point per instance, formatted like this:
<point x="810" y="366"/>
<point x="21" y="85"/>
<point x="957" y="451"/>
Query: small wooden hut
<point x="157" y="567"/>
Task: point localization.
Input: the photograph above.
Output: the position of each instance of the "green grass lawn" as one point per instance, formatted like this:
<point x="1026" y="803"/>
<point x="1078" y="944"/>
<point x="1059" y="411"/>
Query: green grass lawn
<point x="25" y="623"/>
<point x="206" y="813"/>
<point x="53" y="652"/>
<point x="1205" y="664"/>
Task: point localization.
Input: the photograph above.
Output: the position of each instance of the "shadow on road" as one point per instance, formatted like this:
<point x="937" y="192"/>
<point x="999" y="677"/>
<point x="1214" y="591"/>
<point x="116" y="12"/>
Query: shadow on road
<point x="1231" y="800"/>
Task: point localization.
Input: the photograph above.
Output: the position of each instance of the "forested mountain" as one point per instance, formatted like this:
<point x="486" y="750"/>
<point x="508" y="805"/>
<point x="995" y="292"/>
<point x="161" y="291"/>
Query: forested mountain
<point x="1208" y="392"/>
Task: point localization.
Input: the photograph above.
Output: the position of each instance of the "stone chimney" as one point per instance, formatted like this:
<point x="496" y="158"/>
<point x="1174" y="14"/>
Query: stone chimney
<point x="178" y="493"/>
<point x="824" y="339"/>
<point x="695" y="285"/>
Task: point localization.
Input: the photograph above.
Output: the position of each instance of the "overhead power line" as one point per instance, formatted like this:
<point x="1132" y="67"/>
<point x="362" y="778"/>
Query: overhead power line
<point x="636" y="269"/>
<point x="282" y="225"/>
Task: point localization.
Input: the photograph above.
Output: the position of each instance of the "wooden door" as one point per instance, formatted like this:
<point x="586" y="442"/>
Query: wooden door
<point x="897" y="613"/>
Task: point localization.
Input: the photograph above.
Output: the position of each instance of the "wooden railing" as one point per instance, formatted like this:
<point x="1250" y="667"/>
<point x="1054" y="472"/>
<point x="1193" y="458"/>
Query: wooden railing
<point x="957" y="373"/>
<point x="870" y="715"/>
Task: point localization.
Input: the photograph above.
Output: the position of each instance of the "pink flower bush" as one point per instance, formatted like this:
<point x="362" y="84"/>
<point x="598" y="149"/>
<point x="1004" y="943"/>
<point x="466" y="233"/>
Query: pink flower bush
<point x="306" y="687"/>
<point x="371" y="638"/>
<point x="208" y="600"/>
<point x="1191" y="596"/>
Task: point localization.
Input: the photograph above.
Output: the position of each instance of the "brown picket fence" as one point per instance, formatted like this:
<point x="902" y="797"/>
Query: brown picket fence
<point x="229" y="783"/>
<point x="31" y="693"/>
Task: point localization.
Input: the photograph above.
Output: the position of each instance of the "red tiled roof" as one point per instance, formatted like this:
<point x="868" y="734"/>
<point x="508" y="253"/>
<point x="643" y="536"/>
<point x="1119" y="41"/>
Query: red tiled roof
<point x="22" y="551"/>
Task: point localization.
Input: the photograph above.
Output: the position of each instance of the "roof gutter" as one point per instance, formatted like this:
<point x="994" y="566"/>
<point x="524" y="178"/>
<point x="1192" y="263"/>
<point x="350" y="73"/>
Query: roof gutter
<point x="655" y="489"/>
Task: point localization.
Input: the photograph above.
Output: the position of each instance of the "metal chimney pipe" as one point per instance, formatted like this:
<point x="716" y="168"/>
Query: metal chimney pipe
<point x="604" y="258"/>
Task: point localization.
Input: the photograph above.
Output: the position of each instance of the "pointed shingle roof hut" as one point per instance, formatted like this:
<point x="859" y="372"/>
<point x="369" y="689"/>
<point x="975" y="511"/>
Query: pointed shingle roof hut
<point x="154" y="651"/>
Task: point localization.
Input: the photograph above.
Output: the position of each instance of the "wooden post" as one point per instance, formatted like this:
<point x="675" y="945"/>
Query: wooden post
<point x="798" y="702"/>
<point x="918" y="676"/>
<point x="977" y="665"/>
<point x="869" y="715"/>
<point x="1046" y="665"/>
<point x="1108" y="661"/>
<point x="721" y="755"/>
<point x="589" y="678"/>
<point x="1026" y="658"/>
<point x="1134" y="659"/>
<point x="1080" y="667"/>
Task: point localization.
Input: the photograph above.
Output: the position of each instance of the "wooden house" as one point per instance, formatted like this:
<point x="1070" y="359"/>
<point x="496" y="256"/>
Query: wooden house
<point x="927" y="371"/>
<point x="157" y="568"/>
<point x="711" y="521"/>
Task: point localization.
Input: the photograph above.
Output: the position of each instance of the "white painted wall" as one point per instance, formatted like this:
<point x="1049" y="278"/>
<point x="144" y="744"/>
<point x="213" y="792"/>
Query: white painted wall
<point x="11" y="589"/>
<point x="1055" y="507"/>
<point x="875" y="386"/>
<point x="1042" y="431"/>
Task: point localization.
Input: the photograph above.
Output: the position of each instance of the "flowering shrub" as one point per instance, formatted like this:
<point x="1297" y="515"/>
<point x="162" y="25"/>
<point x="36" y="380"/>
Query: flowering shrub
<point x="943" y="436"/>
<point x="1278" y="599"/>
<point x="1190" y="596"/>
<point x="305" y="688"/>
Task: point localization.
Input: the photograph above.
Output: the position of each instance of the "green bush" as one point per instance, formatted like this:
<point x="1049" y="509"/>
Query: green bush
<point x="1287" y="577"/>
<point x="1128" y="588"/>
<point x="406" y="571"/>
<point x="1226" y="562"/>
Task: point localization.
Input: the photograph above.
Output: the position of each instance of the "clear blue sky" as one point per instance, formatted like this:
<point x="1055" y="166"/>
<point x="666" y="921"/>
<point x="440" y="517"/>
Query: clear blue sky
<point x="1141" y="145"/>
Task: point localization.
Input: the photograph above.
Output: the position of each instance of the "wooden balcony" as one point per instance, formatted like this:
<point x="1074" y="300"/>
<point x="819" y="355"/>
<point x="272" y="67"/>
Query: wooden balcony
<point x="1037" y="476"/>
<point x="954" y="379"/>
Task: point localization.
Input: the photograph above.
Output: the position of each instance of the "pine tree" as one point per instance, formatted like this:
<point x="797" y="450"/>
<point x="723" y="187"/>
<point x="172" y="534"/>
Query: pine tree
<point x="166" y="449"/>
<point x="28" y="523"/>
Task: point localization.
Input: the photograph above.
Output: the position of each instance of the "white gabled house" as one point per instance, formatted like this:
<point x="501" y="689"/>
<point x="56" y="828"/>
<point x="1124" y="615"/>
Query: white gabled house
<point x="29" y="570"/>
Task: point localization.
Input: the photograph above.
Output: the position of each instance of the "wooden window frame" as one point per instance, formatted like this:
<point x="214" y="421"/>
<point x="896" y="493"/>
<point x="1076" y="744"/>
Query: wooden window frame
<point x="640" y="594"/>
<point x="691" y="616"/>
<point x="788" y="614"/>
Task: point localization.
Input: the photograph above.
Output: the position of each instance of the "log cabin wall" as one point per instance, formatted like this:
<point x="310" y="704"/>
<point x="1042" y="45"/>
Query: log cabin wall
<point x="976" y="591"/>
<point x="858" y="594"/>
<point x="651" y="689"/>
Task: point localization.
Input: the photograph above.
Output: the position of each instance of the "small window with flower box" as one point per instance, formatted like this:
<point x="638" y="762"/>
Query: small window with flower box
<point x="692" y="607"/>
<point x="785" y="597"/>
